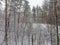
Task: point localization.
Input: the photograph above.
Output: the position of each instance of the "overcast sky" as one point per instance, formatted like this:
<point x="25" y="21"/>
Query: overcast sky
<point x="35" y="2"/>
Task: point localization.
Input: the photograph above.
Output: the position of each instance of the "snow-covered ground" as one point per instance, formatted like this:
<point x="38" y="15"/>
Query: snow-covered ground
<point x="37" y="29"/>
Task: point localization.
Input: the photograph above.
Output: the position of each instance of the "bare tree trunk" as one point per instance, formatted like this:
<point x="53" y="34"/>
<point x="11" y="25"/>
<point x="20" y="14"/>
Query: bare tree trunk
<point x="15" y="28"/>
<point x="42" y="16"/>
<point x="22" y="41"/>
<point x="40" y="38"/>
<point x="55" y="13"/>
<point x="29" y="40"/>
<point x="6" y="23"/>
<point x="51" y="34"/>
<point x="32" y="40"/>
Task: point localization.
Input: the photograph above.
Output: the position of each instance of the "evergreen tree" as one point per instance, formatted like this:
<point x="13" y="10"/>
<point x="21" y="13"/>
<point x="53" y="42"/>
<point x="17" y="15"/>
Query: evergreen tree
<point x="34" y="13"/>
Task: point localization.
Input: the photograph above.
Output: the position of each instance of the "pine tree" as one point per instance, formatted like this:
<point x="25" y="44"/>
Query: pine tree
<point x="34" y="13"/>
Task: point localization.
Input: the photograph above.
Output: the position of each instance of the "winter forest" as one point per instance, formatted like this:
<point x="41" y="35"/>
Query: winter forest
<point x="21" y="24"/>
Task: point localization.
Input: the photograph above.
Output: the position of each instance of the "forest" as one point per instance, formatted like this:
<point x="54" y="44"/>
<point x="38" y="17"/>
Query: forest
<point x="22" y="25"/>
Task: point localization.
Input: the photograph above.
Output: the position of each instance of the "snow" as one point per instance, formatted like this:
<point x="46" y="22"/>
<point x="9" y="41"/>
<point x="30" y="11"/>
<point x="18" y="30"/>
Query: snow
<point x="2" y="5"/>
<point x="37" y="27"/>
